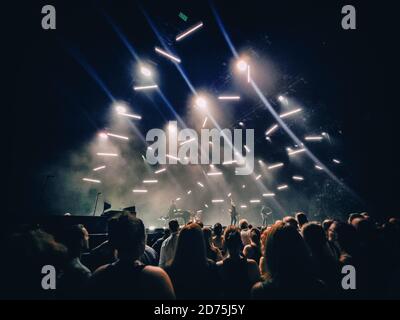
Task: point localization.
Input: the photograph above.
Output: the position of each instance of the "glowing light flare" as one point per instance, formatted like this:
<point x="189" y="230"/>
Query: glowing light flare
<point x="214" y="173"/>
<point x="287" y="114"/>
<point x="130" y="115"/>
<point x="258" y="177"/>
<point x="229" y="98"/>
<point x="201" y="102"/>
<point x="276" y="165"/>
<point x="166" y="54"/>
<point x="200" y="184"/>
<point x="99" y="168"/>
<point x="336" y="161"/>
<point x="91" y="180"/>
<point x="292" y="153"/>
<point x="187" y="141"/>
<point x="282" y="187"/>
<point x="241" y="65"/>
<point x="255" y="201"/>
<point x="272" y="129"/>
<point x="139" y="191"/>
<point x="117" y="136"/>
<point x="141" y="88"/>
<point x="298" y="178"/>
<point x="204" y="122"/>
<point x="189" y="31"/>
<point x="160" y="171"/>
<point x="243" y="206"/>
<point x="107" y="154"/>
<point x="313" y="138"/>
<point x="145" y="71"/>
<point x="268" y="194"/>
<point x="217" y="200"/>
<point x="318" y="167"/>
<point x="150" y="181"/>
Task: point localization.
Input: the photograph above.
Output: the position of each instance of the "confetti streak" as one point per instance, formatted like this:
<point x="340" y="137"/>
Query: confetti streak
<point x="91" y="180"/>
<point x="170" y="56"/>
<point x="99" y="168"/>
<point x="189" y="31"/>
<point x="287" y="114"/>
<point x="141" y="88"/>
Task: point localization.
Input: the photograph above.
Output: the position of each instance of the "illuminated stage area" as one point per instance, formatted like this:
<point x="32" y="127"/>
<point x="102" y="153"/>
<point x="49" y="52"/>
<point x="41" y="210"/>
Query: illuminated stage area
<point x="199" y="150"/>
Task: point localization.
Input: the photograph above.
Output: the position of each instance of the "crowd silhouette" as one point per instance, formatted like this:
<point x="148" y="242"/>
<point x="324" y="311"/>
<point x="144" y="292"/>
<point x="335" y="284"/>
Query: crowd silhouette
<point x="289" y="259"/>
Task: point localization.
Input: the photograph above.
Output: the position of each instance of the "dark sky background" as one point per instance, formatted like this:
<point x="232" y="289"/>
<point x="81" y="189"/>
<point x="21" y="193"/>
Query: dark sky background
<point x="52" y="105"/>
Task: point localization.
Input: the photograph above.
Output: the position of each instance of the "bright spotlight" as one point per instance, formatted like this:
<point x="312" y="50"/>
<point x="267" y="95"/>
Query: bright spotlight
<point x="145" y="71"/>
<point x="103" y="135"/>
<point x="241" y="65"/>
<point x="281" y="98"/>
<point x="201" y="102"/>
<point x="120" y="108"/>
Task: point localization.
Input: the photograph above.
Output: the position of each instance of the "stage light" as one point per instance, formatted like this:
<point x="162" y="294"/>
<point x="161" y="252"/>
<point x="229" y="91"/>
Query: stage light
<point x="107" y="154"/>
<point x="141" y="88"/>
<point x="206" y="205"/>
<point x="318" y="167"/>
<point x="287" y="114"/>
<point x="283" y="187"/>
<point x="187" y="141"/>
<point x="313" y="138"/>
<point x="91" y="180"/>
<point x="268" y="194"/>
<point x="217" y="201"/>
<point x="120" y="108"/>
<point x="291" y="153"/>
<point x="260" y="162"/>
<point x="139" y="191"/>
<point x="276" y="165"/>
<point x="247" y="148"/>
<point x="241" y="124"/>
<point x="336" y="161"/>
<point x="160" y="171"/>
<point x="255" y="201"/>
<point x="166" y="54"/>
<point x="298" y="178"/>
<point x="272" y="129"/>
<point x="129" y="115"/>
<point x="201" y="102"/>
<point x="258" y="177"/>
<point x="214" y="173"/>
<point x="189" y="192"/>
<point x="281" y="98"/>
<point x="229" y="194"/>
<point x="145" y="71"/>
<point x="103" y="135"/>
<point x="229" y="98"/>
<point x="172" y="157"/>
<point x="244" y="186"/>
<point x="243" y="206"/>
<point x="205" y="121"/>
<point x="200" y="184"/>
<point x="150" y="181"/>
<point x="241" y="65"/>
<point x="117" y="136"/>
<point x="152" y="228"/>
<point x="229" y="162"/>
<point x="99" y="168"/>
<point x="177" y="199"/>
<point x="189" y="31"/>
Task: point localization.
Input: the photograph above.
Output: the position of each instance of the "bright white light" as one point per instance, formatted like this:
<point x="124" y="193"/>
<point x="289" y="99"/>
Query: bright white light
<point x="247" y="148"/>
<point x="214" y="173"/>
<point x="287" y="114"/>
<point x="291" y="153"/>
<point x="206" y="205"/>
<point x="318" y="167"/>
<point x="272" y="129"/>
<point x="229" y="162"/>
<point x="229" y="98"/>
<point x="243" y="206"/>
<point x="205" y="121"/>
<point x="140" y="88"/>
<point x="129" y="115"/>
<point x="268" y="194"/>
<point x="200" y="184"/>
<point x="260" y="162"/>
<point x="217" y="200"/>
<point x="166" y="54"/>
<point x="189" y="31"/>
<point x="281" y="98"/>
<point x="152" y="228"/>
<point x="241" y="65"/>
<point x="117" y="136"/>
<point x="229" y="194"/>
<point x="255" y="201"/>
<point x="189" y="192"/>
<point x="103" y="135"/>
<point x="241" y="124"/>
<point x="177" y="199"/>
<point x="150" y="181"/>
<point x="187" y="141"/>
<point x="139" y="191"/>
<point x="99" y="168"/>
<point x="120" y="108"/>
<point x="298" y="178"/>
<point x="336" y="161"/>
<point x="313" y="138"/>
<point x="107" y="154"/>
<point x="244" y="186"/>
<point x="276" y="165"/>
<point x="283" y="187"/>
<point x="160" y="171"/>
<point x="201" y="102"/>
<point x="91" y="180"/>
<point x="258" y="177"/>
<point x="248" y="74"/>
<point x="145" y="71"/>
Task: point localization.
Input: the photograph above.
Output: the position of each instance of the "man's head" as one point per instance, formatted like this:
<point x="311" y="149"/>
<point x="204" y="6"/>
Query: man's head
<point x="243" y="224"/>
<point x="76" y="239"/>
<point x="127" y="235"/>
<point x="173" y="226"/>
<point x="218" y="229"/>
<point x="290" y="221"/>
<point x="301" y="218"/>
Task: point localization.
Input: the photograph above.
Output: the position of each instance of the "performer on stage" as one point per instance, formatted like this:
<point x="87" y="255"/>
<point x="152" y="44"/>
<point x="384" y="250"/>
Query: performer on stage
<point x="172" y="210"/>
<point x="266" y="214"/>
<point x="233" y="213"/>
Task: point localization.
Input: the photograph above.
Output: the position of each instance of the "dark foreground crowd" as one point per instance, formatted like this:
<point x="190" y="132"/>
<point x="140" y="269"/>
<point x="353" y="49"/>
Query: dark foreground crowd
<point x="291" y="259"/>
